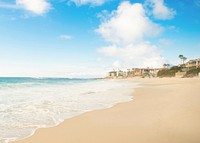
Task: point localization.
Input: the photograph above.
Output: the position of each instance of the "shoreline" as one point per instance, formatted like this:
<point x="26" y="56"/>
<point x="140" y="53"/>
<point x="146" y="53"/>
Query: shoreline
<point x="127" y="121"/>
<point x="92" y="110"/>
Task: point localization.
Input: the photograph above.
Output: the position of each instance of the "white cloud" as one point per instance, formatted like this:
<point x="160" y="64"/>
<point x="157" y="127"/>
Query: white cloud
<point x="92" y="2"/>
<point x="140" y="55"/>
<point x="126" y="29"/>
<point x="65" y="37"/>
<point x="160" y="10"/>
<point x="38" y="7"/>
<point x="128" y="24"/>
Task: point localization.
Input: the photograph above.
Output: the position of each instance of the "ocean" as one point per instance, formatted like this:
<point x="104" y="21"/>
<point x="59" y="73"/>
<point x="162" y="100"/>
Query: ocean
<point x="27" y="104"/>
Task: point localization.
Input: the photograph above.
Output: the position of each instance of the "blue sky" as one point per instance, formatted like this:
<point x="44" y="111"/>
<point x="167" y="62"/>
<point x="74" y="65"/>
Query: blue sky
<point x="77" y="38"/>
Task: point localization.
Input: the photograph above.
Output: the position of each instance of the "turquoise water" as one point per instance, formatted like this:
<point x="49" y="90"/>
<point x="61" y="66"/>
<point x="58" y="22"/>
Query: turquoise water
<point x="27" y="104"/>
<point x="17" y="80"/>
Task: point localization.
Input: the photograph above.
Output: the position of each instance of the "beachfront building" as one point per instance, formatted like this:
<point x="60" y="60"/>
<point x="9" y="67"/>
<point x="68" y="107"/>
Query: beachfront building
<point x="130" y="73"/>
<point x="120" y="73"/>
<point x="117" y="74"/>
<point x="134" y="72"/>
<point x="192" y="64"/>
<point x="145" y="71"/>
<point x="112" y="74"/>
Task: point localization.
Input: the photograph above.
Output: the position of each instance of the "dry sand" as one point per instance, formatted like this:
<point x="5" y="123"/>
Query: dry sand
<point x="163" y="111"/>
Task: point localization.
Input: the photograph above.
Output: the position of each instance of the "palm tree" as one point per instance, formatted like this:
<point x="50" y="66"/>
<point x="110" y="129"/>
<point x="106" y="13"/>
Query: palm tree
<point x="184" y="59"/>
<point x="166" y="65"/>
<point x="181" y="57"/>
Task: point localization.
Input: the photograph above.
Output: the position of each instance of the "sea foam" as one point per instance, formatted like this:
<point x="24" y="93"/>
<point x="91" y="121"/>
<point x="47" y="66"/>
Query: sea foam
<point x="27" y="104"/>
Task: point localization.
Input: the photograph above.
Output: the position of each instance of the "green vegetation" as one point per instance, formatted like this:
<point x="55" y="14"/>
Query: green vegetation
<point x="176" y="68"/>
<point x="172" y="71"/>
<point x="181" y="58"/>
<point x="182" y="69"/>
<point x="192" y="73"/>
<point x="166" y="65"/>
<point x="169" y="72"/>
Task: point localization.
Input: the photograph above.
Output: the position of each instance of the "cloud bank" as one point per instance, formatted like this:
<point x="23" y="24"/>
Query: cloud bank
<point x="138" y="55"/>
<point x="127" y="29"/>
<point x="128" y="24"/>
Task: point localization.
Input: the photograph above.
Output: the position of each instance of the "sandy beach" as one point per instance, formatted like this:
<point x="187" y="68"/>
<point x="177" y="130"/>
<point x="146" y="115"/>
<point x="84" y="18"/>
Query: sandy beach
<point x="163" y="111"/>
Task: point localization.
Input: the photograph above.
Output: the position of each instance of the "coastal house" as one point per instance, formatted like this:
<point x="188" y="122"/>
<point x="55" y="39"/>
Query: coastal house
<point x="112" y="74"/>
<point x="192" y="64"/>
<point x="120" y="73"/>
<point x="117" y="74"/>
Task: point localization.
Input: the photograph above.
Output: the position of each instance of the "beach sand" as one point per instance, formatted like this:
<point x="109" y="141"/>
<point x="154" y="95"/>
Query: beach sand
<point x="163" y="111"/>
